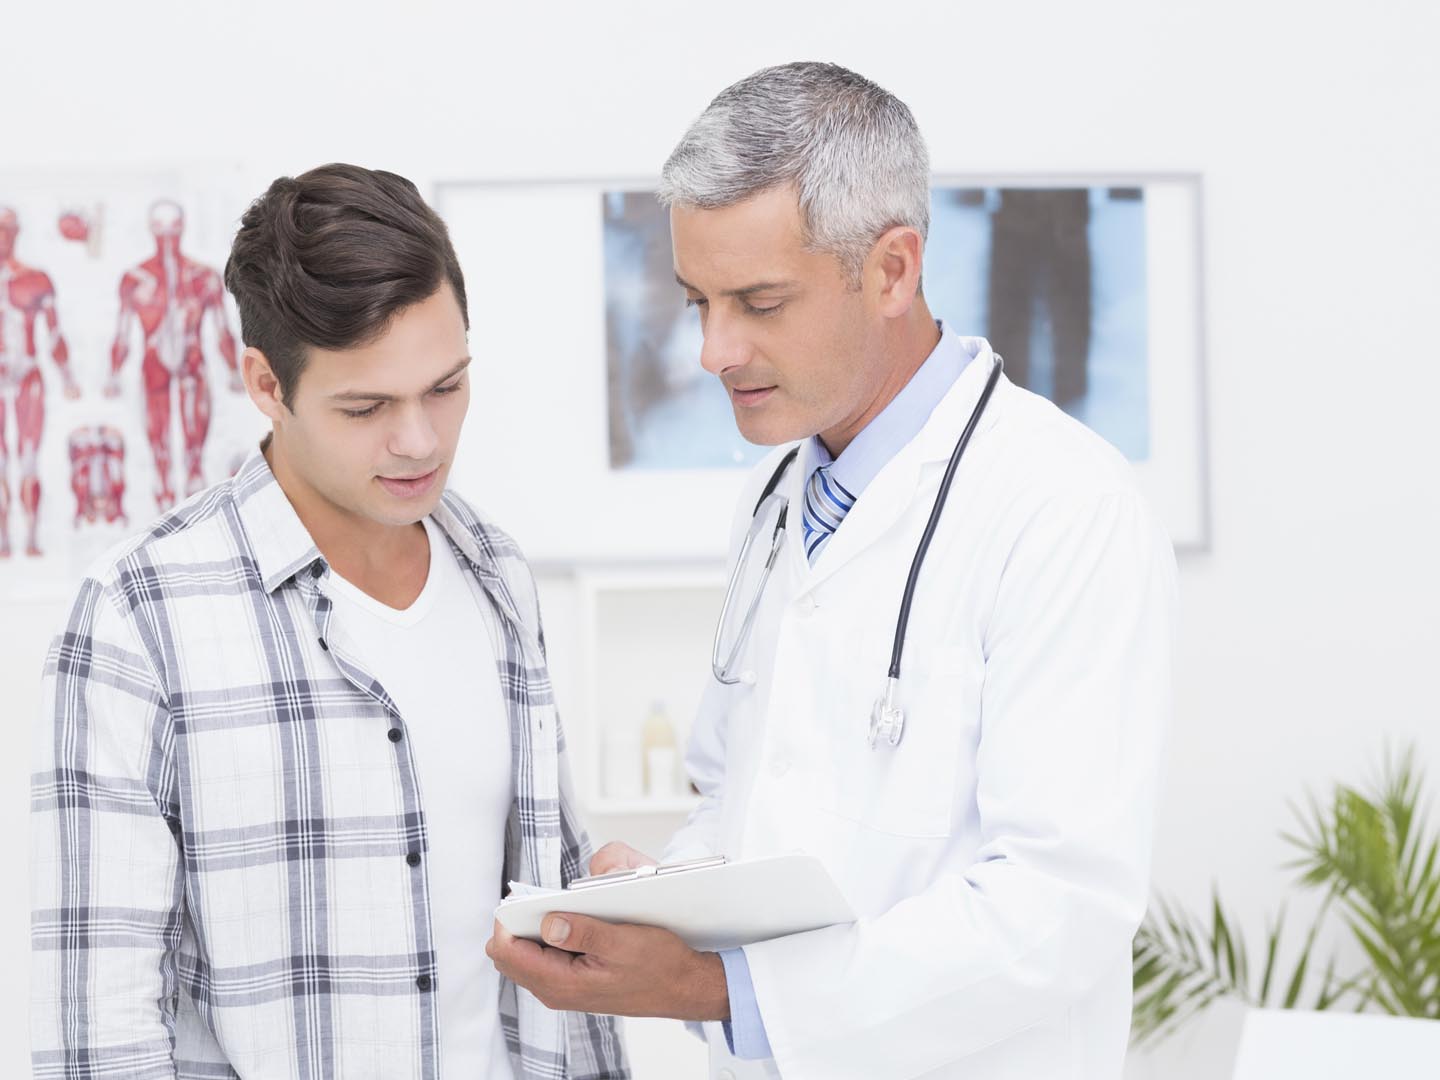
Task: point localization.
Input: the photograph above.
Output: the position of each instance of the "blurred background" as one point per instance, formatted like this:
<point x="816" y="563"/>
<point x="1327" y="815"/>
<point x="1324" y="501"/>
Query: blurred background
<point x="1291" y="386"/>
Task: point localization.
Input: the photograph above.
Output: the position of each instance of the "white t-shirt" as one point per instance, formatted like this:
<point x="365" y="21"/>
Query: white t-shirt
<point x="436" y="659"/>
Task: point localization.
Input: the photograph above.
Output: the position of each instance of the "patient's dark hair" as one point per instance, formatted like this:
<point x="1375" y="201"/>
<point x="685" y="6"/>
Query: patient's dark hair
<point x="328" y="258"/>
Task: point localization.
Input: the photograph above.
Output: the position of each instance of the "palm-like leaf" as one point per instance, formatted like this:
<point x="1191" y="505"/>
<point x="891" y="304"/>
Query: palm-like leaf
<point x="1379" y="865"/>
<point x="1182" y="966"/>
<point x="1374" y="853"/>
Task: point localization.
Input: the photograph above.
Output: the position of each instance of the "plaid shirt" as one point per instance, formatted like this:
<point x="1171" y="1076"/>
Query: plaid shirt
<point x="222" y="803"/>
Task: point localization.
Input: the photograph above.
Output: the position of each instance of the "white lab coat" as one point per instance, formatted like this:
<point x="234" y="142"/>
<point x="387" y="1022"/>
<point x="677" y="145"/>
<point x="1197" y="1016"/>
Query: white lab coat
<point x="998" y="857"/>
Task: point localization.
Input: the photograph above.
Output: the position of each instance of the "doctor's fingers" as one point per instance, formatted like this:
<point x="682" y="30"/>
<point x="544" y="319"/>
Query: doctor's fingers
<point x="504" y="948"/>
<point x="540" y="970"/>
<point x="501" y="941"/>
<point x="618" y="856"/>
<point x="582" y="934"/>
<point x="560" y="980"/>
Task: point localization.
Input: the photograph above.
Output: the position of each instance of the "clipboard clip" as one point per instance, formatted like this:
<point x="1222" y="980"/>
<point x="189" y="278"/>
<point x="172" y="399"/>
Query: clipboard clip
<point x="635" y="873"/>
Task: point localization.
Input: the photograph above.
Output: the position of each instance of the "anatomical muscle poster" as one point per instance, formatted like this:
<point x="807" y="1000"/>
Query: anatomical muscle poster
<point x="119" y="348"/>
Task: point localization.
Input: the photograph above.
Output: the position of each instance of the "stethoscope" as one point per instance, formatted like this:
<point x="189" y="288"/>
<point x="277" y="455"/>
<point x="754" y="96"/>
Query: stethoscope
<point x="887" y="719"/>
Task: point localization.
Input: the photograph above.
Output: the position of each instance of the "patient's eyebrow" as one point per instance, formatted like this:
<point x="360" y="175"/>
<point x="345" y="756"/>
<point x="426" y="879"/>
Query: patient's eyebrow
<point x="747" y="290"/>
<point x="367" y="395"/>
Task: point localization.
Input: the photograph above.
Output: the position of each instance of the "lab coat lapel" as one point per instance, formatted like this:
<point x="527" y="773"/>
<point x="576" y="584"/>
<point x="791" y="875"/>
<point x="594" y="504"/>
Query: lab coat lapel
<point x="886" y="503"/>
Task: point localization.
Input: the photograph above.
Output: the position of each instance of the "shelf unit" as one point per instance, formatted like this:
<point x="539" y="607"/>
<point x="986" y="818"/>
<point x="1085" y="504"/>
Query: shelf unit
<point x="644" y="636"/>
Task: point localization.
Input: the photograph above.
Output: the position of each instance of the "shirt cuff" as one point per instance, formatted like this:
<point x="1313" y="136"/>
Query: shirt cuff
<point x="745" y="1030"/>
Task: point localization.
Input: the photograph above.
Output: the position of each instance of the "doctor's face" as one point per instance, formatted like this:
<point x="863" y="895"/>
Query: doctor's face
<point x="798" y="348"/>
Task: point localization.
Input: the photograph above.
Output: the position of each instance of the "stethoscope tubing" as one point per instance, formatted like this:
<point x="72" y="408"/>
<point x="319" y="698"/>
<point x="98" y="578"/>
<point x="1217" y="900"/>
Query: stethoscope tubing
<point x="897" y="651"/>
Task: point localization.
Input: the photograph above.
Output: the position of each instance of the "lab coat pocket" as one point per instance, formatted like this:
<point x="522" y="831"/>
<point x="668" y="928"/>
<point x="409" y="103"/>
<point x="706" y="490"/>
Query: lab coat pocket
<point x="910" y="789"/>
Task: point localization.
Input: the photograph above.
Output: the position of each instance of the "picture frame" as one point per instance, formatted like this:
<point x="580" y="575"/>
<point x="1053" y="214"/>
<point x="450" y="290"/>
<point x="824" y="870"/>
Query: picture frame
<point x="538" y="451"/>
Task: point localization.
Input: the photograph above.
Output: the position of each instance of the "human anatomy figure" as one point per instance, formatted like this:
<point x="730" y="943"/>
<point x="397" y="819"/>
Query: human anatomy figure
<point x="169" y="296"/>
<point x="97" y="474"/>
<point x="26" y="298"/>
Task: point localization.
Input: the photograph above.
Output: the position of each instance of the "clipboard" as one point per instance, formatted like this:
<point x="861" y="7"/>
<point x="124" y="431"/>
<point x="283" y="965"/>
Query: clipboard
<point x="711" y="904"/>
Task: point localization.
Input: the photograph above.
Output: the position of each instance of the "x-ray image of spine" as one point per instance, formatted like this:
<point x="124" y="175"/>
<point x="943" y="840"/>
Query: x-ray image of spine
<point x="27" y="297"/>
<point x="97" y="474"/>
<point x="170" y="296"/>
<point x="1040" y="290"/>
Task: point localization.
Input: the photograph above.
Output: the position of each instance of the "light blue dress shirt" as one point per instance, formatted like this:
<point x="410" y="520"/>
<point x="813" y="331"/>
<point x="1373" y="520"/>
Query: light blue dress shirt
<point x="859" y="463"/>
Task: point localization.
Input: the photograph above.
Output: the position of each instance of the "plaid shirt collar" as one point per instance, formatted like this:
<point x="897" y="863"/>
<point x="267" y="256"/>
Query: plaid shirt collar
<point x="283" y="546"/>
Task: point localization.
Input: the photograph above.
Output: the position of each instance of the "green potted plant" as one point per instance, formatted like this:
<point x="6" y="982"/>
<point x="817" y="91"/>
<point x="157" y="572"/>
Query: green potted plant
<point x="1378" y="865"/>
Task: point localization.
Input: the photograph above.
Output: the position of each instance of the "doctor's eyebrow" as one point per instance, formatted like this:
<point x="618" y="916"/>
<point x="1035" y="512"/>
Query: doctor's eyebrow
<point x="748" y="290"/>
<point x="365" y="395"/>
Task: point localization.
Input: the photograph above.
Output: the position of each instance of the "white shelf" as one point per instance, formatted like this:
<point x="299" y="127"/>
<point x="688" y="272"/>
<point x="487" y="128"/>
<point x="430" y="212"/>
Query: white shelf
<point x="644" y="639"/>
<point x="679" y="804"/>
<point x="649" y="577"/>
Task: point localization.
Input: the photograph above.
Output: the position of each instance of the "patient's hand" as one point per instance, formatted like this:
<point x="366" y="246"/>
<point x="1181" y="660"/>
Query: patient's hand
<point x="618" y="856"/>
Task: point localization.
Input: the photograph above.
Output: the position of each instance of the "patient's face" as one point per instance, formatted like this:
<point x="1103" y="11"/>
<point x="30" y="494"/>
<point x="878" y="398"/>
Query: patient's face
<point x="371" y="431"/>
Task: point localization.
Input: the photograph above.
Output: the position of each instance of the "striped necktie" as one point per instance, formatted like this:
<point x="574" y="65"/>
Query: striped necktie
<point x="826" y="504"/>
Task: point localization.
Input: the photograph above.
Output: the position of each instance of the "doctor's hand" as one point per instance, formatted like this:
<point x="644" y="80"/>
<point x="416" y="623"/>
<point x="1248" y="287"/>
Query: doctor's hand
<point x="598" y="967"/>
<point x="617" y="856"/>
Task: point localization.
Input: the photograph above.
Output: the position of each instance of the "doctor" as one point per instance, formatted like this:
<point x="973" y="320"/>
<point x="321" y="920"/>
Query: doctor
<point x="992" y="830"/>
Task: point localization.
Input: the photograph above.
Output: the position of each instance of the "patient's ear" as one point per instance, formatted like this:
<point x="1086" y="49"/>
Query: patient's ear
<point x="263" y="385"/>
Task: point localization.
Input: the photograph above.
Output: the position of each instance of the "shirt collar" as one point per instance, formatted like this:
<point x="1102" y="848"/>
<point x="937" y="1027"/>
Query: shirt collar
<point x="281" y="544"/>
<point x="901" y="420"/>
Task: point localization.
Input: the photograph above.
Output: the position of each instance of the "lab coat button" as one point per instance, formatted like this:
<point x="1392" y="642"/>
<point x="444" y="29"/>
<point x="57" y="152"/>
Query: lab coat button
<point x="779" y="765"/>
<point x="725" y="1074"/>
<point x="805" y="605"/>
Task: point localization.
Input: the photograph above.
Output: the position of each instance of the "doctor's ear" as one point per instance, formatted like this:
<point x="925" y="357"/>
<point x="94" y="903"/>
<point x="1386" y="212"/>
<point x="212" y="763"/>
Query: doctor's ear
<point x="893" y="269"/>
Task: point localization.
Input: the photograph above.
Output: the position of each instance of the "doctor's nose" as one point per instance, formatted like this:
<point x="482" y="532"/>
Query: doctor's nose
<point x="724" y="347"/>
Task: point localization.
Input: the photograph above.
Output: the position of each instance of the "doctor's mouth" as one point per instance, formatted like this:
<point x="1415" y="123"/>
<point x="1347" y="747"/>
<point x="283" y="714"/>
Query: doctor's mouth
<point x="750" y="397"/>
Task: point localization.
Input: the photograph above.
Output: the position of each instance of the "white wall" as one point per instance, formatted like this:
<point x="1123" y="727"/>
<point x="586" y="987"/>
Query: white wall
<point x="1310" y="626"/>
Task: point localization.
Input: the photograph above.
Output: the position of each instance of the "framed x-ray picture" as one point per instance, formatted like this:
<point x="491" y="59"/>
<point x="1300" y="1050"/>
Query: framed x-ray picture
<point x="1088" y="286"/>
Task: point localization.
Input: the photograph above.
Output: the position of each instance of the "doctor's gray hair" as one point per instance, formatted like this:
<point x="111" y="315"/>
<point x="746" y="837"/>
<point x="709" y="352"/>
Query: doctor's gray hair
<point x="851" y="150"/>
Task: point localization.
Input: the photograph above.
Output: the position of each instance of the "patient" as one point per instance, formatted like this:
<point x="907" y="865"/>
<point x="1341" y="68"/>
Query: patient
<point x="273" y="798"/>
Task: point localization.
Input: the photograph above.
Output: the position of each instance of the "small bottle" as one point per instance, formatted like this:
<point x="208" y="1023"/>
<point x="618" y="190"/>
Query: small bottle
<point x="661" y="758"/>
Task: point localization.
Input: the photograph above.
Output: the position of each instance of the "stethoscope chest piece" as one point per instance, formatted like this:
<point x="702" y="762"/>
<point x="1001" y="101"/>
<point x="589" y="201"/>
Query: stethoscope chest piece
<point x="887" y="719"/>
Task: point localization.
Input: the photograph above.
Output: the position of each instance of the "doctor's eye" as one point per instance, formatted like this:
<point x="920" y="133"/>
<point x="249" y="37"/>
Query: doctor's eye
<point x="751" y="309"/>
<point x="695" y="303"/>
<point x="360" y="414"/>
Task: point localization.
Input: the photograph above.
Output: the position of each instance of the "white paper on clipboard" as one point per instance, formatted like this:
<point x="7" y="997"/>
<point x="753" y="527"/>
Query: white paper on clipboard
<point x="709" y="908"/>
